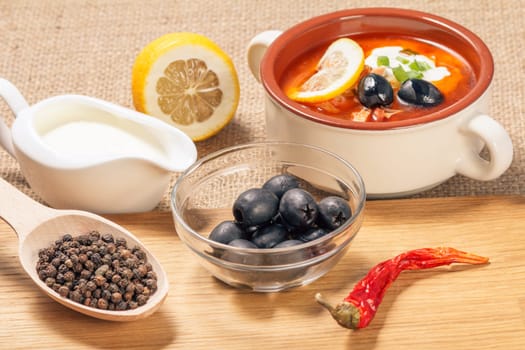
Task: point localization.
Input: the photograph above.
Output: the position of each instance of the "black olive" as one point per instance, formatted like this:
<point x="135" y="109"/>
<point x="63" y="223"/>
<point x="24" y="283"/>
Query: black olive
<point x="255" y="206"/>
<point x="242" y="243"/>
<point x="298" y="209"/>
<point x="334" y="211"/>
<point x="226" y="231"/>
<point x="279" y="184"/>
<point x="420" y="93"/>
<point x="312" y="234"/>
<point x="375" y="91"/>
<point x="269" y="236"/>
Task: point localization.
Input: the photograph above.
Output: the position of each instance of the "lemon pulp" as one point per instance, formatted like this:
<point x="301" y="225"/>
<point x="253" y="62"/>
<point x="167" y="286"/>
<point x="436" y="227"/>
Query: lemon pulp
<point x="186" y="80"/>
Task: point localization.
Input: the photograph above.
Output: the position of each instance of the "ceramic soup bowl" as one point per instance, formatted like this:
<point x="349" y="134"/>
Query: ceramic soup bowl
<point x="395" y="158"/>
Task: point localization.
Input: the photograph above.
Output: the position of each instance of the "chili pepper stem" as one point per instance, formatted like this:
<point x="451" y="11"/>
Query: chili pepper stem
<point x="346" y="314"/>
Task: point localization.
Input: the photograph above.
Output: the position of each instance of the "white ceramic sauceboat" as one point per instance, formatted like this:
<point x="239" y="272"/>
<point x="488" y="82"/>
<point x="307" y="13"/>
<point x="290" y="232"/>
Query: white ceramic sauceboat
<point x="85" y="153"/>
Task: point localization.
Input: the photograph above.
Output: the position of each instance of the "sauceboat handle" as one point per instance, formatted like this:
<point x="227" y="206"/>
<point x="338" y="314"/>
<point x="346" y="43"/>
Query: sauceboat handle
<point x="498" y="144"/>
<point x="16" y="102"/>
<point x="256" y="49"/>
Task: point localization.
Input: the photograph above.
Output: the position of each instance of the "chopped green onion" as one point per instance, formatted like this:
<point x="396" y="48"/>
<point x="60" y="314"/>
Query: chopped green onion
<point x="414" y="66"/>
<point x="419" y="66"/>
<point x="403" y="60"/>
<point x="383" y="61"/>
<point x="400" y="74"/>
<point x="414" y="75"/>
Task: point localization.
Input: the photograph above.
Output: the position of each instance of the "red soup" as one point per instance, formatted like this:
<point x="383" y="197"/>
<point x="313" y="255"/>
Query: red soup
<point x="453" y="85"/>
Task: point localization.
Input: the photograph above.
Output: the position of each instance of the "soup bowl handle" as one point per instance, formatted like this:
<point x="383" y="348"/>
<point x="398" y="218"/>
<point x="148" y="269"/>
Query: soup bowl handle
<point x="256" y="49"/>
<point x="498" y="144"/>
<point x="16" y="102"/>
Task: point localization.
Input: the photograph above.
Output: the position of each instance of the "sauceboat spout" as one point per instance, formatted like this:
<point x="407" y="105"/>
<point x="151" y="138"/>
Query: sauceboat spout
<point x="86" y="153"/>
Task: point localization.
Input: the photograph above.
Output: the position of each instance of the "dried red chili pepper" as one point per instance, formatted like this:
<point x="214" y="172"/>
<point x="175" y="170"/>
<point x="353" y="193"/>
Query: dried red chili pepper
<point x="359" y="308"/>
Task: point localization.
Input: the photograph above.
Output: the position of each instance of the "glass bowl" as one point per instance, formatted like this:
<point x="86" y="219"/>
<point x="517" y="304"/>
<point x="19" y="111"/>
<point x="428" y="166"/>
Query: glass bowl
<point x="204" y="194"/>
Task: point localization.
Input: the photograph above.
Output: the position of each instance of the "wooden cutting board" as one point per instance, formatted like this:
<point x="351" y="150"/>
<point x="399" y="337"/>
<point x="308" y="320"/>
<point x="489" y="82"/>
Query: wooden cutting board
<point x="457" y="307"/>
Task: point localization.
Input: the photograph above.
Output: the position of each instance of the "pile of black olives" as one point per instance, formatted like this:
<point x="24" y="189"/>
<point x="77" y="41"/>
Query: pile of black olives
<point x="375" y="91"/>
<point x="280" y="214"/>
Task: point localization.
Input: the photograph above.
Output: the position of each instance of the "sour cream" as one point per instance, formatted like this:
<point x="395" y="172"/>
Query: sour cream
<point x="397" y="57"/>
<point x="86" y="138"/>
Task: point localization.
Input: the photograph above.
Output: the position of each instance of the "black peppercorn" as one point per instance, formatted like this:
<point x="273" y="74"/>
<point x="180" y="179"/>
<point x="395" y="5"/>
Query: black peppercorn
<point x="49" y="281"/>
<point x="141" y="271"/>
<point x="139" y="253"/>
<point x="121" y="242"/>
<point x="55" y="262"/>
<point x="112" y="248"/>
<point x="116" y="297"/>
<point x="121" y="306"/>
<point x="130" y="288"/>
<point x="99" y="280"/>
<point x="106" y="294"/>
<point x="82" y="258"/>
<point x="113" y="288"/>
<point x="142" y="299"/>
<point x="107" y="238"/>
<point x="97" y="293"/>
<point x="63" y="291"/>
<point x="123" y="283"/>
<point x="89" y="265"/>
<point x="75" y="296"/>
<point x="94" y="236"/>
<point x="69" y="276"/>
<point x="97" y="271"/>
<point x="102" y="304"/>
<point x="116" y="278"/>
<point x="101" y="271"/>
<point x="63" y="268"/>
<point x="94" y="302"/>
<point x="151" y="283"/>
<point x="85" y="274"/>
<point x="96" y="258"/>
<point x="78" y="267"/>
<point x="139" y="288"/>
<point x="91" y="286"/>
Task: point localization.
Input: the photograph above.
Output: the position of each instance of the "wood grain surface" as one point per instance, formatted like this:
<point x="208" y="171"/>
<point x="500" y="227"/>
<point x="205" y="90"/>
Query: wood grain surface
<point x="456" y="307"/>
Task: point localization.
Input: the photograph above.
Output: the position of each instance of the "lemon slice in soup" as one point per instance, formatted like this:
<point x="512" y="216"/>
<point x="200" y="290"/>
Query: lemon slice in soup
<point x="338" y="70"/>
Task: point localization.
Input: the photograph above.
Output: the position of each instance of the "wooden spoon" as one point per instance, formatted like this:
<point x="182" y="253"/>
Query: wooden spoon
<point x="37" y="226"/>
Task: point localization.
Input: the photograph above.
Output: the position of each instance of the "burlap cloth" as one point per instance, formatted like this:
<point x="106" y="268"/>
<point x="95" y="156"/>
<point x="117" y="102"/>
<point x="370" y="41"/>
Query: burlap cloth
<point x="51" y="47"/>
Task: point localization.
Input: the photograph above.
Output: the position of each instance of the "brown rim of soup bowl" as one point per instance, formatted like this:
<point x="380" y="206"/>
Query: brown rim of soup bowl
<point x="326" y="28"/>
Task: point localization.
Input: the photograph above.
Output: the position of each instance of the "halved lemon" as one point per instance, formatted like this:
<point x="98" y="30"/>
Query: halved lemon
<point x="337" y="71"/>
<point x="188" y="81"/>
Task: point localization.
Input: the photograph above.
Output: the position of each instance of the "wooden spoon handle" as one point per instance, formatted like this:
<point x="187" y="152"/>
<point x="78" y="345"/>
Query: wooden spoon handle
<point x="22" y="213"/>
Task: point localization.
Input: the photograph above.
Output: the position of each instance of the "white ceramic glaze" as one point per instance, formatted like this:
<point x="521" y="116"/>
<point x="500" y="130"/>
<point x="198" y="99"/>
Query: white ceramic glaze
<point x="401" y="160"/>
<point x="116" y="181"/>
<point x="411" y="159"/>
